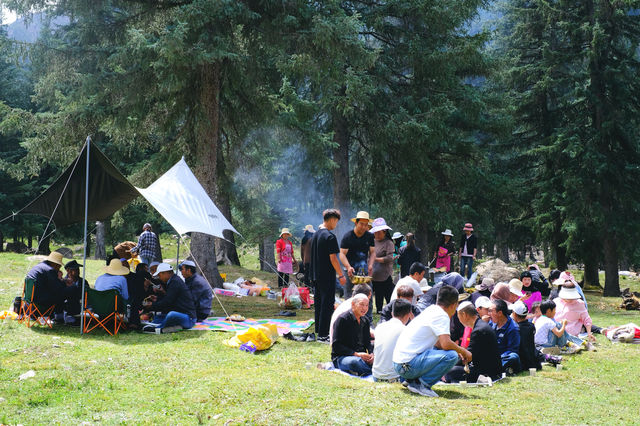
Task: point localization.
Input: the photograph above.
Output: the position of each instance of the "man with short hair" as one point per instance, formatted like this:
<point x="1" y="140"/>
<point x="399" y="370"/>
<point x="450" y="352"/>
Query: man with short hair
<point x="199" y="288"/>
<point x="386" y="337"/>
<point x="346" y="305"/>
<point x="404" y="292"/>
<point x="483" y="346"/>
<point x="357" y="252"/>
<point x="416" y="274"/>
<point x="324" y="267"/>
<point x="508" y="336"/>
<point x="177" y="306"/>
<point x="147" y="246"/>
<point x="72" y="305"/>
<point x="416" y="357"/>
<point x="351" y="350"/>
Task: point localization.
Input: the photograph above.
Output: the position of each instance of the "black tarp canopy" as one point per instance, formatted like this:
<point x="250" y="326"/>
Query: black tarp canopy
<point x="109" y="190"/>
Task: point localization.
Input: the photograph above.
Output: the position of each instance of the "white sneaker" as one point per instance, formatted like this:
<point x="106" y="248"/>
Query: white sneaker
<point x="421" y="390"/>
<point x="171" y="329"/>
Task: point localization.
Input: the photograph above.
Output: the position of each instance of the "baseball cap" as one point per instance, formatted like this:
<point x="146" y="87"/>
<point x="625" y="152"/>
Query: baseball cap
<point x="520" y="308"/>
<point x="483" y="302"/>
<point x="163" y="267"/>
<point x="188" y="263"/>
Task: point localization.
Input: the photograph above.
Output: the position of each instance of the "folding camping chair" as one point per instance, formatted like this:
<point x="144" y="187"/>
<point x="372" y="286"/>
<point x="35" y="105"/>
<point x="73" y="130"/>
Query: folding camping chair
<point x="30" y="311"/>
<point x="104" y="309"/>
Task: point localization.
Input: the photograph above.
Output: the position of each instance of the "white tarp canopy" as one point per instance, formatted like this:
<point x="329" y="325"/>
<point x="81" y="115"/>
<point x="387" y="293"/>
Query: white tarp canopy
<point x="182" y="201"/>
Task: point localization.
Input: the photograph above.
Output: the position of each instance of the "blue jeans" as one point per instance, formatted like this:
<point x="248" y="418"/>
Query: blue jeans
<point x="466" y="261"/>
<point x="553" y="340"/>
<point x="511" y="360"/>
<point x="429" y="366"/>
<point x="352" y="365"/>
<point x="174" y="318"/>
<point x="146" y="260"/>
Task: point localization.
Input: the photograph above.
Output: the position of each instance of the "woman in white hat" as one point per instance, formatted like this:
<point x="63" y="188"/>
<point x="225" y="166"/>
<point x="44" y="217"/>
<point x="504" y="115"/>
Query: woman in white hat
<point x="570" y="306"/>
<point x="445" y="250"/>
<point x="285" y="257"/>
<point x="383" y="263"/>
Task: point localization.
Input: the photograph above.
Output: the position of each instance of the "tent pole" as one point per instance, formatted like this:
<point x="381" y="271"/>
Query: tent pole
<point x="178" y="254"/>
<point x="84" y="256"/>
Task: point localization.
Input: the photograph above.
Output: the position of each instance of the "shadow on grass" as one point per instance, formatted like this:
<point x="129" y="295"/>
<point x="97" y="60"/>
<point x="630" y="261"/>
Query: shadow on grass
<point x="126" y="337"/>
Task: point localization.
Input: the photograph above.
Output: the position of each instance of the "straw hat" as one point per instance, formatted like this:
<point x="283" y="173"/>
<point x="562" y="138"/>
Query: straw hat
<point x="285" y="231"/>
<point x="468" y="227"/>
<point x="55" y="257"/>
<point x="309" y="228"/>
<point x="447" y="232"/>
<point x="379" y="224"/>
<point x="515" y="286"/>
<point x="361" y="215"/>
<point x="116" y="268"/>
<point x="569" y="293"/>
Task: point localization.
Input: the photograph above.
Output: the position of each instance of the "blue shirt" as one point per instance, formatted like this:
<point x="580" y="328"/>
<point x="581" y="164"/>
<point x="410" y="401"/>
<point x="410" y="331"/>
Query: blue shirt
<point x="508" y="336"/>
<point x="108" y="282"/>
<point x="202" y="295"/>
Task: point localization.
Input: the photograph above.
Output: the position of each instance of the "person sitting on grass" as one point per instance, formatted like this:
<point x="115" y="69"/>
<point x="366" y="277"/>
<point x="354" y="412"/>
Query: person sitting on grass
<point x="535" y="312"/>
<point x="386" y="337"/>
<point x="199" y="288"/>
<point x="570" y="306"/>
<point x="416" y="274"/>
<point x="483" y="304"/>
<point x="177" y="306"/>
<point x="404" y="292"/>
<point x="552" y="334"/>
<point x="346" y="305"/>
<point x="424" y="351"/>
<point x="483" y="345"/>
<point x="351" y="349"/>
<point x="530" y="355"/>
<point x="508" y="336"/>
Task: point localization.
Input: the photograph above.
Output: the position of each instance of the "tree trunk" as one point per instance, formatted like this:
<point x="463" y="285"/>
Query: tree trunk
<point x="267" y="255"/>
<point x="341" y="176"/>
<point x="43" y="247"/>
<point x="30" y="241"/>
<point x="503" y="247"/>
<point x="1" y="241"/>
<point x="490" y="249"/>
<point x="422" y="241"/>
<point x="611" y="277"/>
<point x="226" y="252"/>
<point x="591" y="275"/>
<point x="101" y="252"/>
<point x="207" y="135"/>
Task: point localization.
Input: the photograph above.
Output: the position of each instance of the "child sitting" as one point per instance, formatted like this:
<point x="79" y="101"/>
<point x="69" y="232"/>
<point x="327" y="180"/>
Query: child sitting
<point x="550" y="333"/>
<point x="535" y="312"/>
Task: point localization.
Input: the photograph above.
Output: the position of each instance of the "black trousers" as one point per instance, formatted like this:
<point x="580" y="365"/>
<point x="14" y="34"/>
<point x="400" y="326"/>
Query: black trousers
<point x="382" y="290"/>
<point x="283" y="279"/>
<point x="324" y="299"/>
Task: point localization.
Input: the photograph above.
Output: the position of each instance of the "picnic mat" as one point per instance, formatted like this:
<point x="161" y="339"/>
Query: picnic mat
<point x="284" y="325"/>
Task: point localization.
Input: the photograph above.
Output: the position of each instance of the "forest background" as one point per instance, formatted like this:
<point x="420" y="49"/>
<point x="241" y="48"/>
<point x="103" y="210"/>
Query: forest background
<point x="521" y="117"/>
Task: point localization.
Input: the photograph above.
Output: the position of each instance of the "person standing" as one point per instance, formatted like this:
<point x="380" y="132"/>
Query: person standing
<point x="285" y="257"/>
<point x="468" y="250"/>
<point x="382" y="276"/>
<point x="148" y="245"/>
<point x="445" y="250"/>
<point x="408" y="255"/>
<point x="305" y="251"/>
<point x="324" y="267"/>
<point x="357" y="250"/>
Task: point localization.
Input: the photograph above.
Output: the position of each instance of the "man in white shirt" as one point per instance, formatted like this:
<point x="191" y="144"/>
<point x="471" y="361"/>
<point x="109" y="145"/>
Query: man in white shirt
<point x="416" y="274"/>
<point x="415" y="357"/>
<point x="387" y="335"/>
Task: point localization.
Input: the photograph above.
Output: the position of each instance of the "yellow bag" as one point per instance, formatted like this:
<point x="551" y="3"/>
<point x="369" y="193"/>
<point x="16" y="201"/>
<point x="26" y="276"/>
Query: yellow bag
<point x="8" y="315"/>
<point x="262" y="336"/>
<point x="134" y="262"/>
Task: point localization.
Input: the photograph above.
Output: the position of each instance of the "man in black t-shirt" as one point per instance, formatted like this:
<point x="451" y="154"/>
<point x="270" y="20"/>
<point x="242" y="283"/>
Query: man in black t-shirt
<point x="324" y="266"/>
<point x="357" y="252"/>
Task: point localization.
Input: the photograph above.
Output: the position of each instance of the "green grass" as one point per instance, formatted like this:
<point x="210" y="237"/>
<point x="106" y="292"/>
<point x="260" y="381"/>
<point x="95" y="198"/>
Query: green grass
<point x="191" y="378"/>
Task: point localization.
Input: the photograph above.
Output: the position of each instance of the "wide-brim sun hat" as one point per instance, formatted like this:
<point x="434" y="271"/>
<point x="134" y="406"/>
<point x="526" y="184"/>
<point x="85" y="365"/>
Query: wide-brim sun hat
<point x="468" y="227"/>
<point x="569" y="293"/>
<point x="396" y="235"/>
<point x="163" y="267"/>
<point x="116" y="268"/>
<point x="379" y="224"/>
<point x="362" y="215"/>
<point x="486" y="284"/>
<point x="447" y="232"/>
<point x="55" y="257"/>
<point x="309" y="228"/>
<point x="285" y="231"/>
<point x="515" y="287"/>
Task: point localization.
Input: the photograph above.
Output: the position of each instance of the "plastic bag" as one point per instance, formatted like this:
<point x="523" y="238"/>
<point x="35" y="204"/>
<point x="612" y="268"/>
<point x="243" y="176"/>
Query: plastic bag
<point x="292" y="297"/>
<point x="261" y="336"/>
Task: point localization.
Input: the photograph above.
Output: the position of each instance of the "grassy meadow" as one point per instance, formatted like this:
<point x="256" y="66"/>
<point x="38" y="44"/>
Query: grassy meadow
<point x="191" y="378"/>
